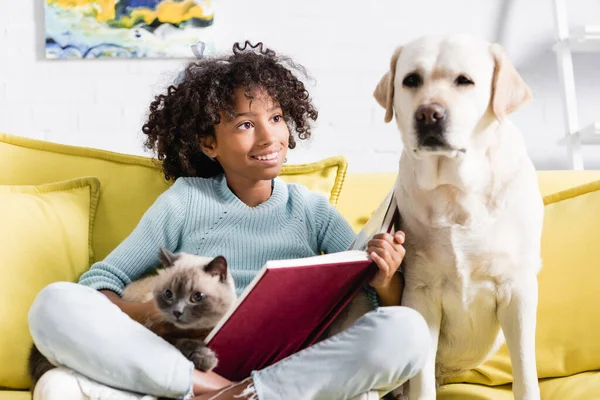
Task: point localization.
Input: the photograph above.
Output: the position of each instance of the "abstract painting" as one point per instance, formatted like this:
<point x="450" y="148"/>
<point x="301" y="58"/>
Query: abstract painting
<point x="127" y="28"/>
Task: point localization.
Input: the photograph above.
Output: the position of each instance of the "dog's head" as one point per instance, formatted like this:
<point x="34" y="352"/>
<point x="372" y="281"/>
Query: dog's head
<point x="444" y="90"/>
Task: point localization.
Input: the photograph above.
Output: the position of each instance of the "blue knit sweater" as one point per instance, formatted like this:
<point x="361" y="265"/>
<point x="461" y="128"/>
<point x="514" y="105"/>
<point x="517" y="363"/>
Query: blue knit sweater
<point x="204" y="217"/>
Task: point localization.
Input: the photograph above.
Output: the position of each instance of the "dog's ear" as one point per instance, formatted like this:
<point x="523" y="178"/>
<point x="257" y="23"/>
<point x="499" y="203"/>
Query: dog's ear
<point x="384" y="92"/>
<point x="509" y="91"/>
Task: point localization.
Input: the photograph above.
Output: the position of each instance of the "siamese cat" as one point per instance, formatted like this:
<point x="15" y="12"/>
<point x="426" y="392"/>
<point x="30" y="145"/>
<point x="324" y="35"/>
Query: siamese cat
<point x="192" y="293"/>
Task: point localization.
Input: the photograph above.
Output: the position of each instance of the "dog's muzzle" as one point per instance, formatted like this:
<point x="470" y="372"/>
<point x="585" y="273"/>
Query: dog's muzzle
<point x="430" y="125"/>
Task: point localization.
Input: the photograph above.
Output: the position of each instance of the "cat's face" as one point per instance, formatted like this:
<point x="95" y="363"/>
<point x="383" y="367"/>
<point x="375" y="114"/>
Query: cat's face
<point x="194" y="292"/>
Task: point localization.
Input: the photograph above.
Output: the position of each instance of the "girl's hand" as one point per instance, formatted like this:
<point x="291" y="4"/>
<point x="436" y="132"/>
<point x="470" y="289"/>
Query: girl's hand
<point x="387" y="252"/>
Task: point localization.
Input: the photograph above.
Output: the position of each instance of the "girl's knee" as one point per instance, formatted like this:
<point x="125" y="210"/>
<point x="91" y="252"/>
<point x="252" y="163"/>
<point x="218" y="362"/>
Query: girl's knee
<point x="52" y="306"/>
<point x="401" y="339"/>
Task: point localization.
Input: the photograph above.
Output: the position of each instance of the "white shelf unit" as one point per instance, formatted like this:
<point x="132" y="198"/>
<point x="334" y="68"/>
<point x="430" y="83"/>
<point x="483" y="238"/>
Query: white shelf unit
<point x="583" y="40"/>
<point x="590" y="135"/>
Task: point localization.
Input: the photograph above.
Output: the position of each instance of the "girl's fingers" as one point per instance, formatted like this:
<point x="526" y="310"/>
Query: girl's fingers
<point x="393" y="254"/>
<point x="400" y="237"/>
<point x="382" y="244"/>
<point x="381" y="262"/>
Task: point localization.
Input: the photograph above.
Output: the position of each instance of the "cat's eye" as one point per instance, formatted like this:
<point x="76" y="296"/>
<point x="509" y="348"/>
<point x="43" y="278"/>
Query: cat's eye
<point x="462" y="80"/>
<point x="168" y="294"/>
<point x="412" y="80"/>
<point x="197" y="297"/>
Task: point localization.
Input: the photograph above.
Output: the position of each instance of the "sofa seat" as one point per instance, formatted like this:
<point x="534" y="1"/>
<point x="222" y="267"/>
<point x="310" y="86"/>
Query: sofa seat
<point x="584" y="386"/>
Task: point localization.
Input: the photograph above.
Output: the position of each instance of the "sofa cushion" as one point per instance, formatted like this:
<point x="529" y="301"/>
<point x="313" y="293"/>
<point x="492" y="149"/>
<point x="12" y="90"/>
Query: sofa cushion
<point x="557" y="181"/>
<point x="567" y="323"/>
<point x="371" y="188"/>
<point x="326" y="176"/>
<point x="129" y="184"/>
<point x="14" y="395"/>
<point x="46" y="237"/>
<point x="362" y="194"/>
<point x="584" y="386"/>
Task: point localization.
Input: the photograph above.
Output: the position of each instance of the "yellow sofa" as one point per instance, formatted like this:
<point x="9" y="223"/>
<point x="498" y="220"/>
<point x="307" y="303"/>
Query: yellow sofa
<point x="118" y="188"/>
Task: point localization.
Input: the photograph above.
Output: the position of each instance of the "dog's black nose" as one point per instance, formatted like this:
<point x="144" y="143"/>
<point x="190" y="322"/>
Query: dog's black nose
<point x="177" y="314"/>
<point x="430" y="124"/>
<point x="430" y="114"/>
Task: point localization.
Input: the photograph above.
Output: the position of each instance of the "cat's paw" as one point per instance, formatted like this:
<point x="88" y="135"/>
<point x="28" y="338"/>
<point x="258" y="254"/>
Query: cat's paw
<point x="204" y="359"/>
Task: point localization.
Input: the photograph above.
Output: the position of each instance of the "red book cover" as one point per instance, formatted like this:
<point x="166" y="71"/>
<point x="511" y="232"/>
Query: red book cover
<point x="285" y="309"/>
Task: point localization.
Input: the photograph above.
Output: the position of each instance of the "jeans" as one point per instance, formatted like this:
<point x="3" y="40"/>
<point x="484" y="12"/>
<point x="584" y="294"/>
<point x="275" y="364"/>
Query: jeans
<point x="79" y="328"/>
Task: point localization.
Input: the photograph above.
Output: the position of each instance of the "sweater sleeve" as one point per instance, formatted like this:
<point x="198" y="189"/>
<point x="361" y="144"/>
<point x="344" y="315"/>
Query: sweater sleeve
<point x="161" y="225"/>
<point x="334" y="234"/>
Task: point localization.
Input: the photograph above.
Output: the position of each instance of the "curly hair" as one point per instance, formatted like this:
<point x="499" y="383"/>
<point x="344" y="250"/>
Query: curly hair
<point x="188" y="111"/>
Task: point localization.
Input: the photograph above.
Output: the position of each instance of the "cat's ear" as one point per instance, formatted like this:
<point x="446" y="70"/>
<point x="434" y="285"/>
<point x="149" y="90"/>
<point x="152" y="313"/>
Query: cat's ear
<point x="167" y="259"/>
<point x="217" y="267"/>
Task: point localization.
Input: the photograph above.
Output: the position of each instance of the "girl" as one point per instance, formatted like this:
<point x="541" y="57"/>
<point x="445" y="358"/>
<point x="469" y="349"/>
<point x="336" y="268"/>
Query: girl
<point x="222" y="133"/>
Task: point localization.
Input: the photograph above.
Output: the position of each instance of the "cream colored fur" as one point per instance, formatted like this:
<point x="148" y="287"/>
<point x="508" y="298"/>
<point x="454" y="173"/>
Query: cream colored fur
<point x="472" y="211"/>
<point x="141" y="290"/>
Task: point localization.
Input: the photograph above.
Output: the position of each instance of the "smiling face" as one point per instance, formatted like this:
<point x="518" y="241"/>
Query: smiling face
<point x="253" y="145"/>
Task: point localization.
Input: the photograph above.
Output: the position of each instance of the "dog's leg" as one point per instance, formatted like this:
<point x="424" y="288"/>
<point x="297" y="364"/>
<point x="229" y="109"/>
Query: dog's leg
<point x="423" y="385"/>
<point x="517" y="316"/>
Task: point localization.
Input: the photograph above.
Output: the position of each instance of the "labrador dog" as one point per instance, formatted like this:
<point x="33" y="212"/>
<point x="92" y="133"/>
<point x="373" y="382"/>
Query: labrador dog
<point x="470" y="206"/>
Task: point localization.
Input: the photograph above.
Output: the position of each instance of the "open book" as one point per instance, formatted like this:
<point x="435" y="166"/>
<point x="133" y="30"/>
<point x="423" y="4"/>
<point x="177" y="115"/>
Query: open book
<point x="285" y="309"/>
<point x="290" y="304"/>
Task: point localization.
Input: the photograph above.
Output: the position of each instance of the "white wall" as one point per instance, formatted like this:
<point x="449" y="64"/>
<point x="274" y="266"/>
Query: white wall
<point x="345" y="45"/>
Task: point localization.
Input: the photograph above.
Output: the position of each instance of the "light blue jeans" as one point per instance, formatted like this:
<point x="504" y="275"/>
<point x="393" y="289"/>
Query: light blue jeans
<point x="78" y="327"/>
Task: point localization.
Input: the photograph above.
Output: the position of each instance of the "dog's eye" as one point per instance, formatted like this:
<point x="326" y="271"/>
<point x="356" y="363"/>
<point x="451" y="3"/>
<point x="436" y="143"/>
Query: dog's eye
<point x="412" y="81"/>
<point x="168" y="294"/>
<point x="197" y="297"/>
<point x="463" y="81"/>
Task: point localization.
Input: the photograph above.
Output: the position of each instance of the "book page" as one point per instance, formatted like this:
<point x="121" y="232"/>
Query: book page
<point x="379" y="222"/>
<point x="333" y="258"/>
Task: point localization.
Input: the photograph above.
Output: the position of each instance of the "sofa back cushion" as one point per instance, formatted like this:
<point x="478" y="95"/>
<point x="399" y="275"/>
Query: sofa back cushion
<point x="45" y="234"/>
<point x="129" y="184"/>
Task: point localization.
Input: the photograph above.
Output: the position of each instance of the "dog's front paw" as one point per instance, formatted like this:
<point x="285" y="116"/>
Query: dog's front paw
<point x="204" y="359"/>
<point x="532" y="394"/>
<point x="526" y="390"/>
